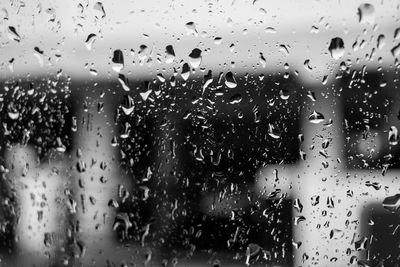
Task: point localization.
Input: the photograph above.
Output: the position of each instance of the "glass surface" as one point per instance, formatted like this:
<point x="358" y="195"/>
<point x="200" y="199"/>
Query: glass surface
<point x="199" y="133"/>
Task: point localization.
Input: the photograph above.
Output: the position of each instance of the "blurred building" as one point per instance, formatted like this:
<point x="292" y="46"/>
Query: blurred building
<point x="223" y="133"/>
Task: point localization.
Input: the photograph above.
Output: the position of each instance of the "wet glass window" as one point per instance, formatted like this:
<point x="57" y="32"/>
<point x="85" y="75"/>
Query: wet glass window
<point x="215" y="133"/>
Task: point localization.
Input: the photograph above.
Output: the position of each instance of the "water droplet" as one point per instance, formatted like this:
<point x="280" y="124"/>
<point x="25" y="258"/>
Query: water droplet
<point x="392" y="203"/>
<point x="396" y="50"/>
<point x="316" y="117"/>
<point x="273" y="132"/>
<point x="12" y="34"/>
<point x="144" y="192"/>
<point x="315" y="200"/>
<point x="366" y="13"/>
<point x="48" y="239"/>
<point x="185" y="71"/>
<point x="325" y="143"/>
<point x="314" y="29"/>
<point x="284" y="48"/>
<point x="397" y="33"/>
<point x="298" y="219"/>
<point x="160" y="77"/>
<point x="208" y="79"/>
<point x="191" y="28"/>
<point x="325" y="79"/>
<point x="353" y="260"/>
<point x="125" y="130"/>
<point x="148" y="257"/>
<point x="60" y="146"/>
<point x="393" y="136"/>
<point x="195" y="58"/>
<point x="11" y="64"/>
<point x="296" y="245"/>
<point x="82" y="248"/>
<point x="170" y="54"/>
<point x="336" y="234"/>
<point x="284" y="94"/>
<point x="349" y="193"/>
<point x="93" y="72"/>
<point x="297" y="205"/>
<point x="98" y="6"/>
<point x="124" y="82"/>
<point x="90" y="41"/>
<point x="307" y="65"/>
<point x="232" y="47"/>
<point x="380" y="41"/>
<point x="122" y="222"/>
<point x="4" y="14"/>
<point x="235" y="99"/>
<point x="385" y="168"/>
<point x="216" y="263"/>
<point x="270" y="30"/>
<point x="311" y="95"/>
<point x="329" y="203"/>
<point x="336" y="48"/>
<point x="328" y="123"/>
<point x="230" y="81"/>
<point x="39" y="55"/>
<point x="71" y="205"/>
<point x="302" y="154"/>
<point x="253" y="251"/>
<point x="198" y="154"/>
<point x="374" y="185"/>
<point x="361" y="244"/>
<point x="112" y="203"/>
<point x="301" y="138"/>
<point x="103" y="179"/>
<point x="118" y="60"/>
<point x="114" y="141"/>
<point x="145" y="93"/>
<point x="262" y="60"/>
<point x="13" y="115"/>
<point x="143" y="53"/>
<point x="174" y="262"/>
<point x="127" y="105"/>
<point x="325" y="164"/>
<point x="81" y="166"/>
<point x="217" y="40"/>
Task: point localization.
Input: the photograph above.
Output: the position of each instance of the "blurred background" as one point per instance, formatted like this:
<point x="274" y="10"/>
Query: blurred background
<point x="221" y="133"/>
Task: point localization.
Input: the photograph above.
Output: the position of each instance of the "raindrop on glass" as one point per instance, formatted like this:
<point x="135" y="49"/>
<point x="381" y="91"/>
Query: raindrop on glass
<point x="90" y="40"/>
<point x="336" y="48"/>
<point x="118" y="61"/>
<point x="230" y="80"/>
<point x="170" y="54"/>
<point x="393" y="136"/>
<point x="12" y="34"/>
<point x="392" y="203"/>
<point x="124" y="82"/>
<point x="195" y="58"/>
<point x="316" y="117"/>
<point x="98" y="6"/>
<point x="366" y="13"/>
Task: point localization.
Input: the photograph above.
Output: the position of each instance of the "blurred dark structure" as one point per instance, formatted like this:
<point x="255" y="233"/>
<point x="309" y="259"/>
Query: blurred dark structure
<point x="190" y="149"/>
<point x="200" y="144"/>
<point x="32" y="112"/>
<point x="371" y="106"/>
<point x="382" y="234"/>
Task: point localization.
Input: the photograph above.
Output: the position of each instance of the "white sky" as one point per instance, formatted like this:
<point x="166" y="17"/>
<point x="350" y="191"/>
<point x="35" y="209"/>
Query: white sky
<point x="164" y="21"/>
